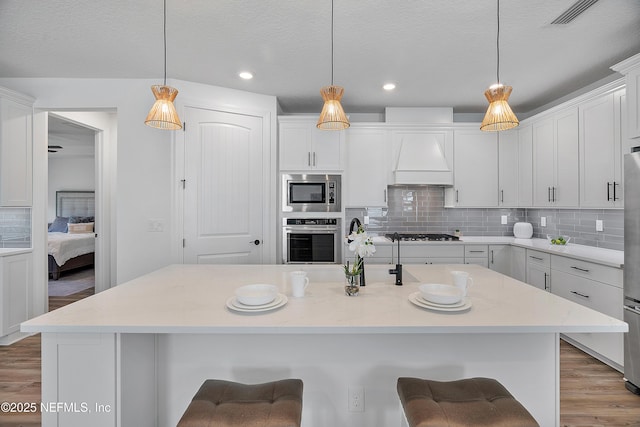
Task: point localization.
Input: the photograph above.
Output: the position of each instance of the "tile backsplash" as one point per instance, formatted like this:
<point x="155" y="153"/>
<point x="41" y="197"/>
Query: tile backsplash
<point x="420" y="209"/>
<point x="15" y="227"/>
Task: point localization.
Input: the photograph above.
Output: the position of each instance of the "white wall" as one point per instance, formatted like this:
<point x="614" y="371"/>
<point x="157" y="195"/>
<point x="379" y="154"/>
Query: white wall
<point x="145" y="162"/>
<point x="69" y="174"/>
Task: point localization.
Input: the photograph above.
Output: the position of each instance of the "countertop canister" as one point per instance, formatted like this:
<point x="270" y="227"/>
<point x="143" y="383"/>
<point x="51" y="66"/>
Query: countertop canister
<point x="522" y="230"/>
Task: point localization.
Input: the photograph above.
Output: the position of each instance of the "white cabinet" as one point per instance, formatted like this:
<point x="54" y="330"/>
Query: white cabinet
<point x="368" y="159"/>
<point x="431" y="254"/>
<point x="539" y="269"/>
<point x="508" y="260"/>
<point x="475" y="161"/>
<point x="508" y="146"/>
<point x="16" y="275"/>
<point x="598" y="287"/>
<point x="630" y="68"/>
<point x="601" y="152"/>
<point x="16" y="145"/>
<point x="476" y="254"/>
<point x="525" y="166"/>
<point x="304" y="147"/>
<point x="555" y="160"/>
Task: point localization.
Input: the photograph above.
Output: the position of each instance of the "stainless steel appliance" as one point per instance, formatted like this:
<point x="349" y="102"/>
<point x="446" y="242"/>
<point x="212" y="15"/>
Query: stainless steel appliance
<point x="430" y="237"/>
<point x="632" y="270"/>
<point x="311" y="241"/>
<point x="311" y="193"/>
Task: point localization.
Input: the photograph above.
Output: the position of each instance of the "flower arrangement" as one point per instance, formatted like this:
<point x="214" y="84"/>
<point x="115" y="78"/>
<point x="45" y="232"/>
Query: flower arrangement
<point x="360" y="243"/>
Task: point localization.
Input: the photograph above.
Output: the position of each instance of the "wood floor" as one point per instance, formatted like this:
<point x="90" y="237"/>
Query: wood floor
<point x="591" y="393"/>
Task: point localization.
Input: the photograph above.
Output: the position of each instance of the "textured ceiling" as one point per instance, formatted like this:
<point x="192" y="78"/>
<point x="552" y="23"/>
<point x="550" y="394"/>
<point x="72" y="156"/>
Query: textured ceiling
<point x="438" y="52"/>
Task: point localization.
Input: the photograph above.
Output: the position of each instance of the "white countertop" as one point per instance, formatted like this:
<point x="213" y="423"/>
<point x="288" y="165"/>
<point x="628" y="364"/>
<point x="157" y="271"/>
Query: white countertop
<point x="14" y="251"/>
<point x="603" y="256"/>
<point x="191" y="299"/>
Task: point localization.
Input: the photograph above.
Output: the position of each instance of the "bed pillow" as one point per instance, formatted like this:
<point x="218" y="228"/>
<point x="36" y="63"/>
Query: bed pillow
<point x="82" y="227"/>
<point x="80" y="219"/>
<point x="59" y="224"/>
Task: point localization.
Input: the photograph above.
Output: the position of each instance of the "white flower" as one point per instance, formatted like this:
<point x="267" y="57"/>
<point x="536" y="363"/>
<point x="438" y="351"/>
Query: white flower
<point x="362" y="245"/>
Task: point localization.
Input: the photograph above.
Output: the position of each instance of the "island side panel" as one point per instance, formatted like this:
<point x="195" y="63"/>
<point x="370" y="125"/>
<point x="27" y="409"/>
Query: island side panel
<point x="527" y="364"/>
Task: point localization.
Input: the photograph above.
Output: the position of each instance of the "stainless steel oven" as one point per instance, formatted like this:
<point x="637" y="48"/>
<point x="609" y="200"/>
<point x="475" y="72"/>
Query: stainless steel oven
<point x="311" y="241"/>
<point x="311" y="193"/>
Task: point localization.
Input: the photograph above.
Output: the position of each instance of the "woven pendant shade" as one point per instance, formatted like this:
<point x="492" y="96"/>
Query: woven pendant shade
<point x="332" y="116"/>
<point x="163" y="114"/>
<point x="499" y="115"/>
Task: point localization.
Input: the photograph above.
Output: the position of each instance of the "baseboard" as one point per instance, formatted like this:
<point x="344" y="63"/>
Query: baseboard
<point x="13" y="338"/>
<point x="593" y="354"/>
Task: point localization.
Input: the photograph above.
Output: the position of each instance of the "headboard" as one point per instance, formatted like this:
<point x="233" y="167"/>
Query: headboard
<point x="75" y="203"/>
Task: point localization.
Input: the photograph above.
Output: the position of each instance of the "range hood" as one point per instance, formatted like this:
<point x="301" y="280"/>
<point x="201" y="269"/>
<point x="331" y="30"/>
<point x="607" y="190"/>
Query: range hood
<point x="424" y="158"/>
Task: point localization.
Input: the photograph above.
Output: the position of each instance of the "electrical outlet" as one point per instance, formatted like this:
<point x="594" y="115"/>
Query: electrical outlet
<point x="543" y="221"/>
<point x="503" y="220"/>
<point x="356" y="399"/>
<point x="599" y="225"/>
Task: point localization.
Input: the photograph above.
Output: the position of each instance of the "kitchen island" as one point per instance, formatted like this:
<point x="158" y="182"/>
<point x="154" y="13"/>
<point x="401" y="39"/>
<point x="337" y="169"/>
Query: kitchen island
<point x="136" y="354"/>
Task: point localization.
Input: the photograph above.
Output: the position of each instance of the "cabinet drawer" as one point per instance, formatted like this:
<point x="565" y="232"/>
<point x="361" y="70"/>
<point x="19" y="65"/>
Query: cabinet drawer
<point x="477" y="261"/>
<point x="438" y="251"/>
<point x="476" y="251"/>
<point x="539" y="258"/>
<point x="601" y="273"/>
<point x="598" y="296"/>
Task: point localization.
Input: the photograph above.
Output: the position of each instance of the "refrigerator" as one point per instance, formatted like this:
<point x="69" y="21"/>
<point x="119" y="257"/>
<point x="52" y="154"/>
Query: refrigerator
<point x="632" y="269"/>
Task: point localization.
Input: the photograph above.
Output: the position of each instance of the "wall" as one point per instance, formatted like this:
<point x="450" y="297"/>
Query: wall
<point x="420" y="209"/>
<point x="69" y="174"/>
<point x="144" y="186"/>
<point x="15" y="227"/>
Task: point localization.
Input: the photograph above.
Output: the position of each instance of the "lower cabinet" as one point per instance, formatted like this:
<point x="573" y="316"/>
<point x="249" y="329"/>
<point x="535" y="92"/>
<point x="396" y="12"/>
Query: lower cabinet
<point x="15" y="276"/>
<point x="538" y="269"/>
<point x="508" y="260"/>
<point x="598" y="287"/>
<point x="476" y="254"/>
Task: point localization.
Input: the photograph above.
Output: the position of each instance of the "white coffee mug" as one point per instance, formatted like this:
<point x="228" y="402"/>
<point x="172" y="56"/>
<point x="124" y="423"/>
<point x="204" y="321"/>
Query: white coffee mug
<point x="462" y="280"/>
<point x="299" y="282"/>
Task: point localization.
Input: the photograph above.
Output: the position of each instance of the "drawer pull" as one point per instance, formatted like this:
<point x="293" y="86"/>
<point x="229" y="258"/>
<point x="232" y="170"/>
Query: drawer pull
<point x="535" y="257"/>
<point x="481" y="252"/>
<point x="579" y="294"/>
<point x="584" y="270"/>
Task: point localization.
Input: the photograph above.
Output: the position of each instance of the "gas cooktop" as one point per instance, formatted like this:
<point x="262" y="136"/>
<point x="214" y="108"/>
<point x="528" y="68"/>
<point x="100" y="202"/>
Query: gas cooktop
<point x="431" y="237"/>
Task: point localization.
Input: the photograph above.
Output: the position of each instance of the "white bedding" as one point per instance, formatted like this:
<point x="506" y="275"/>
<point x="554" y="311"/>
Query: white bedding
<point x="64" y="246"/>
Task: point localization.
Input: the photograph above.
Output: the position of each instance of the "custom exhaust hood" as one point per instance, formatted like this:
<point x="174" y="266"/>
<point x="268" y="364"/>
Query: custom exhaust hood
<point x="422" y="159"/>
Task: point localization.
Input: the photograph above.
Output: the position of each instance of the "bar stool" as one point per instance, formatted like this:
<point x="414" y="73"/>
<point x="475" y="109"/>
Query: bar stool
<point x="474" y="402"/>
<point x="231" y="404"/>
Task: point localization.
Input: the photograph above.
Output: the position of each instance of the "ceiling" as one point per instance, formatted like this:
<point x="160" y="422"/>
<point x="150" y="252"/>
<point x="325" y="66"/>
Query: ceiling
<point x="439" y="53"/>
<point x="76" y="140"/>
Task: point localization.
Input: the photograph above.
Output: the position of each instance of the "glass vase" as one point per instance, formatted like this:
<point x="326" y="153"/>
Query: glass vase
<point x="352" y="284"/>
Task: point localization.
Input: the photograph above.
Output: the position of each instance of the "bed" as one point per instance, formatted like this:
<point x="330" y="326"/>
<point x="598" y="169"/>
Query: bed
<point x="71" y="236"/>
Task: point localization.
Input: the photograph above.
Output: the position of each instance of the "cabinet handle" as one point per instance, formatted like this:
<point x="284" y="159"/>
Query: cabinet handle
<point x="554" y="194"/>
<point x="492" y="256"/>
<point x="456" y="196"/>
<point x="549" y="194"/>
<point x="502" y="196"/>
<point x="614" y="191"/>
<point x="584" y="270"/>
<point x="480" y="252"/>
<point x="546" y="288"/>
<point x="579" y="294"/>
<point x="385" y="195"/>
<point x="608" y="191"/>
<point x="308" y="158"/>
<point x="535" y="257"/>
<point x="314" y="158"/>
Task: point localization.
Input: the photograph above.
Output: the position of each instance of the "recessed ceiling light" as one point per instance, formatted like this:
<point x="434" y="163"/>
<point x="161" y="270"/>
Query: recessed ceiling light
<point x="389" y="86"/>
<point x="245" y="75"/>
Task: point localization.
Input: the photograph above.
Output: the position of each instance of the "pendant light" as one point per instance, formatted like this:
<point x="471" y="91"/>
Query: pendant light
<point x="332" y="116"/>
<point x="163" y="114"/>
<point x="499" y="115"/>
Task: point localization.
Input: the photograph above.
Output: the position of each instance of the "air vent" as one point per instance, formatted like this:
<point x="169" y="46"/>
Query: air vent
<point x="573" y="12"/>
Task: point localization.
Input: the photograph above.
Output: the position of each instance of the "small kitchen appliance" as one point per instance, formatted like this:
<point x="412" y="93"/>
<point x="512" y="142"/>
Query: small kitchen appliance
<point x="311" y="241"/>
<point x="311" y="193"/>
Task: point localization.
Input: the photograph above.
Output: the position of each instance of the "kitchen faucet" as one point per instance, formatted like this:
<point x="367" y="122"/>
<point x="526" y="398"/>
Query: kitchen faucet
<point x="398" y="270"/>
<point x="355" y="223"/>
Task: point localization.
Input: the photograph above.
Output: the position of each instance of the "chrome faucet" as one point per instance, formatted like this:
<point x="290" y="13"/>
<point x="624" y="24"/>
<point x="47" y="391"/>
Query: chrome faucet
<point x="356" y="224"/>
<point x="398" y="270"/>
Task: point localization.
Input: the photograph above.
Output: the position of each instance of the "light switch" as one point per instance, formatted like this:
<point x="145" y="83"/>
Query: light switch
<point x="599" y="225"/>
<point x="503" y="220"/>
<point x="543" y="221"/>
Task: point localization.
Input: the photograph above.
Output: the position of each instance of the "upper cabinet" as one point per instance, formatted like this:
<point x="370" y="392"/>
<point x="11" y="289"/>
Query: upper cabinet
<point x="555" y="160"/>
<point x="16" y="145"/>
<point x="368" y="168"/>
<point x="304" y="147"/>
<point x="475" y="161"/>
<point x="525" y="166"/>
<point x="601" y="152"/>
<point x="630" y="68"/>
<point x="508" y="168"/>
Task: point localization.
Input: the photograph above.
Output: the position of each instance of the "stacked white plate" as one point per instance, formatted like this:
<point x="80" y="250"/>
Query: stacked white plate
<point x="256" y="298"/>
<point x="440" y="297"/>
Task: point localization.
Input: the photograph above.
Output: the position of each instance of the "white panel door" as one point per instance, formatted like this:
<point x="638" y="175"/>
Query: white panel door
<point x="223" y="211"/>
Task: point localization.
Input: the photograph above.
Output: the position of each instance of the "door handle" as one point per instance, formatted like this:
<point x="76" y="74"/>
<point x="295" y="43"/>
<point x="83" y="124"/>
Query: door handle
<point x="308" y="158"/>
<point x="491" y="256"/>
<point x="614" y="191"/>
<point x="385" y="195"/>
<point x="608" y="191"/>
<point x="554" y="193"/>
<point x="502" y="196"/>
<point x="549" y="194"/>
<point x="546" y="288"/>
<point x="255" y="242"/>
<point x="456" y="196"/>
<point x="314" y="158"/>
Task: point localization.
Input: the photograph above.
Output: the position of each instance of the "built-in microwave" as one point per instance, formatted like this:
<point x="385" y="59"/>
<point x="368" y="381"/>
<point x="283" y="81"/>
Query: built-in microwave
<point x="311" y="193"/>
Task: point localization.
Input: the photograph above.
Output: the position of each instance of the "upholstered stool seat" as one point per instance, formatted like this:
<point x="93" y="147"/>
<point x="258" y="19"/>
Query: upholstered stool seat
<point x="468" y="402"/>
<point x="229" y="404"/>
